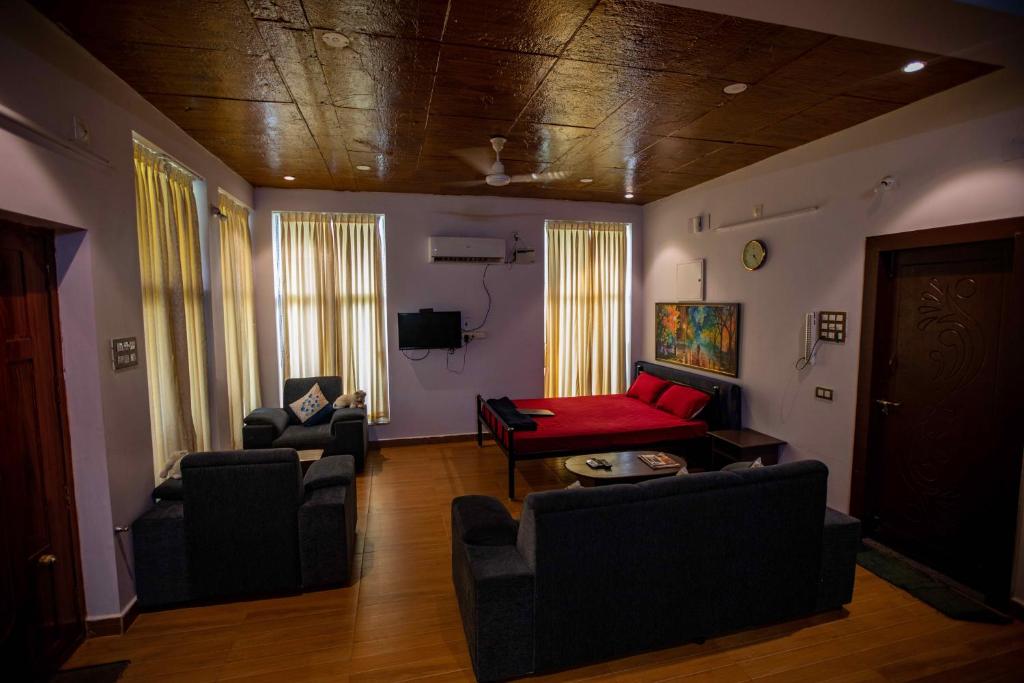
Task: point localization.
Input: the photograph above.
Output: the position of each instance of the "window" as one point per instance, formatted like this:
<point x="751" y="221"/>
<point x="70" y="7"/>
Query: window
<point x="170" y="264"/>
<point x="586" y="307"/>
<point x="331" y="302"/>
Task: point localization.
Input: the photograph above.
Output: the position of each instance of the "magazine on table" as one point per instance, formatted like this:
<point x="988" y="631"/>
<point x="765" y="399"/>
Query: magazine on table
<point x="658" y="461"/>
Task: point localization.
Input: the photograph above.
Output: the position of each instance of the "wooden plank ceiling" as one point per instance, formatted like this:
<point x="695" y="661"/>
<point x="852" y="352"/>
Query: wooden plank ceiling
<point x="627" y="93"/>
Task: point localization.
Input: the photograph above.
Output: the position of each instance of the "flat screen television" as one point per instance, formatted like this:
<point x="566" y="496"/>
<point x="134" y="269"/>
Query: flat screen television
<point x="430" y="330"/>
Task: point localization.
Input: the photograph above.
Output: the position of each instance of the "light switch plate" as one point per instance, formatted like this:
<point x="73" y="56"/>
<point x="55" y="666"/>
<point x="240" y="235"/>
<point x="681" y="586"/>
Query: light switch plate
<point x="124" y="353"/>
<point x="832" y="326"/>
<point x="824" y="393"/>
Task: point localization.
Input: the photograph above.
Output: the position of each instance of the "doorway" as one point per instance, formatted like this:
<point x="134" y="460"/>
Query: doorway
<point x="41" y="605"/>
<point x="937" y="456"/>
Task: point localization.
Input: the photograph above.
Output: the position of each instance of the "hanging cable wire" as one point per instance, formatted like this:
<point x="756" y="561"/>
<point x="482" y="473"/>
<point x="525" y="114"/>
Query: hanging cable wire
<point x="804" y="361"/>
<point x="489" y="301"/>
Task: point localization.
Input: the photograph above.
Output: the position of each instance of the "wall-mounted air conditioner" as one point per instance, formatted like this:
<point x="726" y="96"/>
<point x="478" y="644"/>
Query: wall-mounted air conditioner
<point x="467" y="250"/>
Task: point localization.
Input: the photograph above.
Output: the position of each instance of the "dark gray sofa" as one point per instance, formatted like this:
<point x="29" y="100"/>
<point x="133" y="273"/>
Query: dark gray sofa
<point x="345" y="433"/>
<point x="599" y="573"/>
<point x="247" y="523"/>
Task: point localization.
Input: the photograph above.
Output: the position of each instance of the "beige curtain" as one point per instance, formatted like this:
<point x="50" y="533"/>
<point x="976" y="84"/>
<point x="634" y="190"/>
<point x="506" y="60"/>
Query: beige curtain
<point x="241" y="360"/>
<point x="585" y="321"/>
<point x="172" y="306"/>
<point x="331" y="302"/>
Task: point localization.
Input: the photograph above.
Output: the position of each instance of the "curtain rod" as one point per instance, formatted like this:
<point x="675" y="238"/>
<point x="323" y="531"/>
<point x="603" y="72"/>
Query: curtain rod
<point x="236" y="200"/>
<point x="141" y="140"/>
<point x="29" y="130"/>
<point x="762" y="219"/>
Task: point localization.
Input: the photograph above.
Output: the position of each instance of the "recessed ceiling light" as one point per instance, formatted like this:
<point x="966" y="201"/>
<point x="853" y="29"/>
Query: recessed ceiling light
<point x="734" y="88"/>
<point x="289" y="177"/>
<point x="362" y="167"/>
<point x="629" y="195"/>
<point x="912" y="67"/>
<point x="335" y="39"/>
<point x="586" y="180"/>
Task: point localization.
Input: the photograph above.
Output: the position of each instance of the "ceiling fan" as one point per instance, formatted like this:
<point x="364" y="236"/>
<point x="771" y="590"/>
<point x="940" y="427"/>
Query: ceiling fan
<point x="494" y="172"/>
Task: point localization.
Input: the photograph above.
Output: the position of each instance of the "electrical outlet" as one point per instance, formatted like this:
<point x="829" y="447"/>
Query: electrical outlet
<point x="824" y="393"/>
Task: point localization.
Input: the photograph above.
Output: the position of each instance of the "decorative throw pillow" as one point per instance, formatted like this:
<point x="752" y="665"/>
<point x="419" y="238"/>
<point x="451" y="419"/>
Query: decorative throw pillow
<point x="313" y="408"/>
<point x="683" y="470"/>
<point x="682" y="401"/>
<point x="756" y="463"/>
<point x="647" y="387"/>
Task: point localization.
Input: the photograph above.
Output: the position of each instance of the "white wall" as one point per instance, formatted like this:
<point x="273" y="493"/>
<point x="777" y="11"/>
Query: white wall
<point x="426" y="398"/>
<point x="958" y="158"/>
<point x="48" y="78"/>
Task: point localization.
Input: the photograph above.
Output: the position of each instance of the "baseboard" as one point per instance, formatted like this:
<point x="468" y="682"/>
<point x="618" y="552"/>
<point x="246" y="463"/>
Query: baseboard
<point x="114" y="624"/>
<point x="1015" y="608"/>
<point x="424" y="440"/>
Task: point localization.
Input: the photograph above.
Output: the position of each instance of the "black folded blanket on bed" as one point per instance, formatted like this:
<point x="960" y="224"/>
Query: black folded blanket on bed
<point x="510" y="415"/>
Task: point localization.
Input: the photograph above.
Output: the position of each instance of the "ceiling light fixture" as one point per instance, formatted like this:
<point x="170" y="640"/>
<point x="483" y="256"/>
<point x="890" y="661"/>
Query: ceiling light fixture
<point x="911" y="67"/>
<point x="362" y="167"/>
<point x="629" y="195"/>
<point x="734" y="88"/>
<point x="586" y="180"/>
<point x="289" y="177"/>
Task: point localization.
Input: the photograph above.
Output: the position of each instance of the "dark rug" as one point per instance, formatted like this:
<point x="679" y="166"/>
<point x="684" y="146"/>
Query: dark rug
<point x="951" y="602"/>
<point x="99" y="673"/>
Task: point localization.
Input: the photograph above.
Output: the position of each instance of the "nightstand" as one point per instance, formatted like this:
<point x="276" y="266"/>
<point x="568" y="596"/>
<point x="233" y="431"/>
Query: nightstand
<point x="734" y="445"/>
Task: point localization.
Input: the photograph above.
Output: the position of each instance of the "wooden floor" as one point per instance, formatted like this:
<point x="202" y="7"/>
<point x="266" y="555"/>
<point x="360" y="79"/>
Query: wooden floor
<point x="399" y="620"/>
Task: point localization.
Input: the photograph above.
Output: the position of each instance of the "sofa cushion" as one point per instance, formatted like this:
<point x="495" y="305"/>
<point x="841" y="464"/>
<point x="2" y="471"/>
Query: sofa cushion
<point x="303" y="438"/>
<point x="312" y="407"/>
<point x="296" y="387"/>
<point x="647" y="387"/>
<point x="169" y="489"/>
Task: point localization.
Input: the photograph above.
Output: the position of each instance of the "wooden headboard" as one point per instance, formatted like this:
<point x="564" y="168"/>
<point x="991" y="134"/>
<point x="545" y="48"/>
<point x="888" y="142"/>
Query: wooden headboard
<point x="724" y="410"/>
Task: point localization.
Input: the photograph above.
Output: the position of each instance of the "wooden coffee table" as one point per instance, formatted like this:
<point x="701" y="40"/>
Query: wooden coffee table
<point x="307" y="457"/>
<point x="627" y="468"/>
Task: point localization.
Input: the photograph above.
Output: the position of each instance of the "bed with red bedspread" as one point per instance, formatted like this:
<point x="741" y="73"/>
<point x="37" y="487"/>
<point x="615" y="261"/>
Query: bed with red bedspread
<point x="595" y="424"/>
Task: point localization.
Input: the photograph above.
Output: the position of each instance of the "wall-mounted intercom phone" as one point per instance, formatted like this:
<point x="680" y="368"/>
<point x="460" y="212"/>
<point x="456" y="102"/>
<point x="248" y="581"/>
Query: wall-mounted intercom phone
<point x="808" y="341"/>
<point x="810" y="335"/>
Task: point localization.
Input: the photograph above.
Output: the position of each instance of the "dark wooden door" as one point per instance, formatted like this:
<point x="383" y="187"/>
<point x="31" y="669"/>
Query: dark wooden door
<point x="945" y="478"/>
<point x="41" y="620"/>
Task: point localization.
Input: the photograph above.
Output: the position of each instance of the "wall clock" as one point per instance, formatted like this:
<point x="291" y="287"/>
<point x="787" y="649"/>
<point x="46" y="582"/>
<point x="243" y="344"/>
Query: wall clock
<point x="754" y="254"/>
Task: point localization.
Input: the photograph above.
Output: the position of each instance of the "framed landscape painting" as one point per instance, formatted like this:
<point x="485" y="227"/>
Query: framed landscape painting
<point x="702" y="336"/>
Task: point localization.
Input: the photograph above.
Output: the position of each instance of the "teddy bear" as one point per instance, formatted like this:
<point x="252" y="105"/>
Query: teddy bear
<point x="172" y="468"/>
<point x="357" y="399"/>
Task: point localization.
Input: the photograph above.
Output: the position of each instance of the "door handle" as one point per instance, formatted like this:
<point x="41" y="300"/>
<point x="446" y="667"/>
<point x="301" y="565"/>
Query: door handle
<point x="47" y="560"/>
<point x="887" y="405"/>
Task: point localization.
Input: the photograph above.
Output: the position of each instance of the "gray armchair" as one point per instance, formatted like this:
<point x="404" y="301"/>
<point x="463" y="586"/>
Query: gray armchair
<point x="247" y="523"/>
<point x="345" y="433"/>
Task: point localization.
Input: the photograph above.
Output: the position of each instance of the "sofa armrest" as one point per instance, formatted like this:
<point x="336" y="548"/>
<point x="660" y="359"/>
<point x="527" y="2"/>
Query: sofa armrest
<point x="334" y="470"/>
<point x="348" y="415"/>
<point x="161" y="556"/>
<point x="327" y="535"/>
<point x="349" y="434"/>
<point x="483" y="520"/>
<point x="495" y="591"/>
<point x="839" y="545"/>
<point x="274" y="417"/>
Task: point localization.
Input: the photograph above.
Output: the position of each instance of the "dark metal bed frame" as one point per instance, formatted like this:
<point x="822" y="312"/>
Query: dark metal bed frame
<point x="723" y="412"/>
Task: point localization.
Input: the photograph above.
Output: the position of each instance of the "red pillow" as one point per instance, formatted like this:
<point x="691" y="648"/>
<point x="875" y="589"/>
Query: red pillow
<point x="682" y="401"/>
<point x="647" y="387"/>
